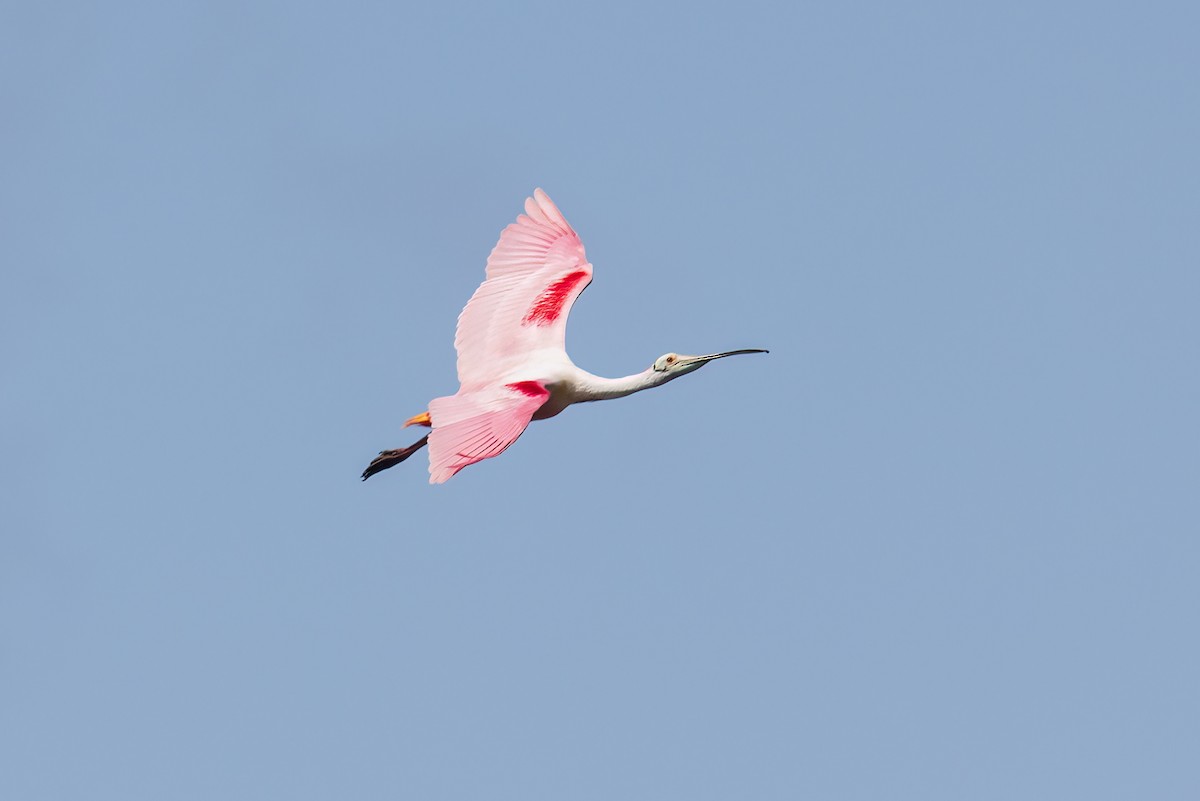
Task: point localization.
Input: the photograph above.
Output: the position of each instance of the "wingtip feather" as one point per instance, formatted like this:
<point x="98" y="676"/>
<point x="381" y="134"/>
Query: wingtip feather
<point x="533" y="209"/>
<point x="549" y="209"/>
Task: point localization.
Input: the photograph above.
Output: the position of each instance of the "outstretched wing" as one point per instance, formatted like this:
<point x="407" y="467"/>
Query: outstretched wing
<point x="534" y="274"/>
<point x="472" y="426"/>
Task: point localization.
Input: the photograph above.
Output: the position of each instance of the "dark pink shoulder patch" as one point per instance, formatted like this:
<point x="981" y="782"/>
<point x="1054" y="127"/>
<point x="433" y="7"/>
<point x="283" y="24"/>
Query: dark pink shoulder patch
<point x="548" y="306"/>
<point x="531" y="389"/>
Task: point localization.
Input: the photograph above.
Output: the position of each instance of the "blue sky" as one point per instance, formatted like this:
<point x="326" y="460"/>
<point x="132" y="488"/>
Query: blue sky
<point x="941" y="543"/>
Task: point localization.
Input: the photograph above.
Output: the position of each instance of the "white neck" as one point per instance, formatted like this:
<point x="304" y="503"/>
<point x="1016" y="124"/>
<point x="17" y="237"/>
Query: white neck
<point x="590" y="387"/>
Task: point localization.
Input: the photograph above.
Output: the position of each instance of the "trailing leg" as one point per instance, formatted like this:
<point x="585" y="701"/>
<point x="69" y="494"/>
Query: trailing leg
<point x="391" y="458"/>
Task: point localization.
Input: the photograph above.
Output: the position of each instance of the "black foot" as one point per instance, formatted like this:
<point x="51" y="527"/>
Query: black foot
<point x="391" y="458"/>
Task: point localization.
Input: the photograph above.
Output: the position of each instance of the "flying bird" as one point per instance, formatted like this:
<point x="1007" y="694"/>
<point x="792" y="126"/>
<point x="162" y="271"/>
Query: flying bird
<point x="511" y="341"/>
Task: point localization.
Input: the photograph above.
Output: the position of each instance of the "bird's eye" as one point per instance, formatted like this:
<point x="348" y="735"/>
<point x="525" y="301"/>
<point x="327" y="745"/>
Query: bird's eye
<point x="670" y="360"/>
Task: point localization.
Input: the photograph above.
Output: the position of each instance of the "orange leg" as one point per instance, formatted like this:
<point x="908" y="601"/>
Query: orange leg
<point x="421" y="419"/>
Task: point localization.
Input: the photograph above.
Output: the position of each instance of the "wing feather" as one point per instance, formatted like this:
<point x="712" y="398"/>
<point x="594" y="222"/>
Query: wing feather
<point x="476" y="425"/>
<point x="539" y="262"/>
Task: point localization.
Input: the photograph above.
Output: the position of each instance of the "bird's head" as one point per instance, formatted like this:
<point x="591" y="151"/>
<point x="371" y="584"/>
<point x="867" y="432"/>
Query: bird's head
<point x="672" y="365"/>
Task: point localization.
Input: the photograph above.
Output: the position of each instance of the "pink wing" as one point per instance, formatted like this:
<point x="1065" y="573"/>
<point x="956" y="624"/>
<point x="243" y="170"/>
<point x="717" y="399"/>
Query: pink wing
<point x="472" y="426"/>
<point x="534" y="274"/>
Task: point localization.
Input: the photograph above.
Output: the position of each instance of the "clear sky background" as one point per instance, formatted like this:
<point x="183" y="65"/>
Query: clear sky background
<point x="942" y="543"/>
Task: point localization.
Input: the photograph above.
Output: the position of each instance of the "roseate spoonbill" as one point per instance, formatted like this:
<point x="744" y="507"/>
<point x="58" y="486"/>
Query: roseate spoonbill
<point x="511" y="341"/>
